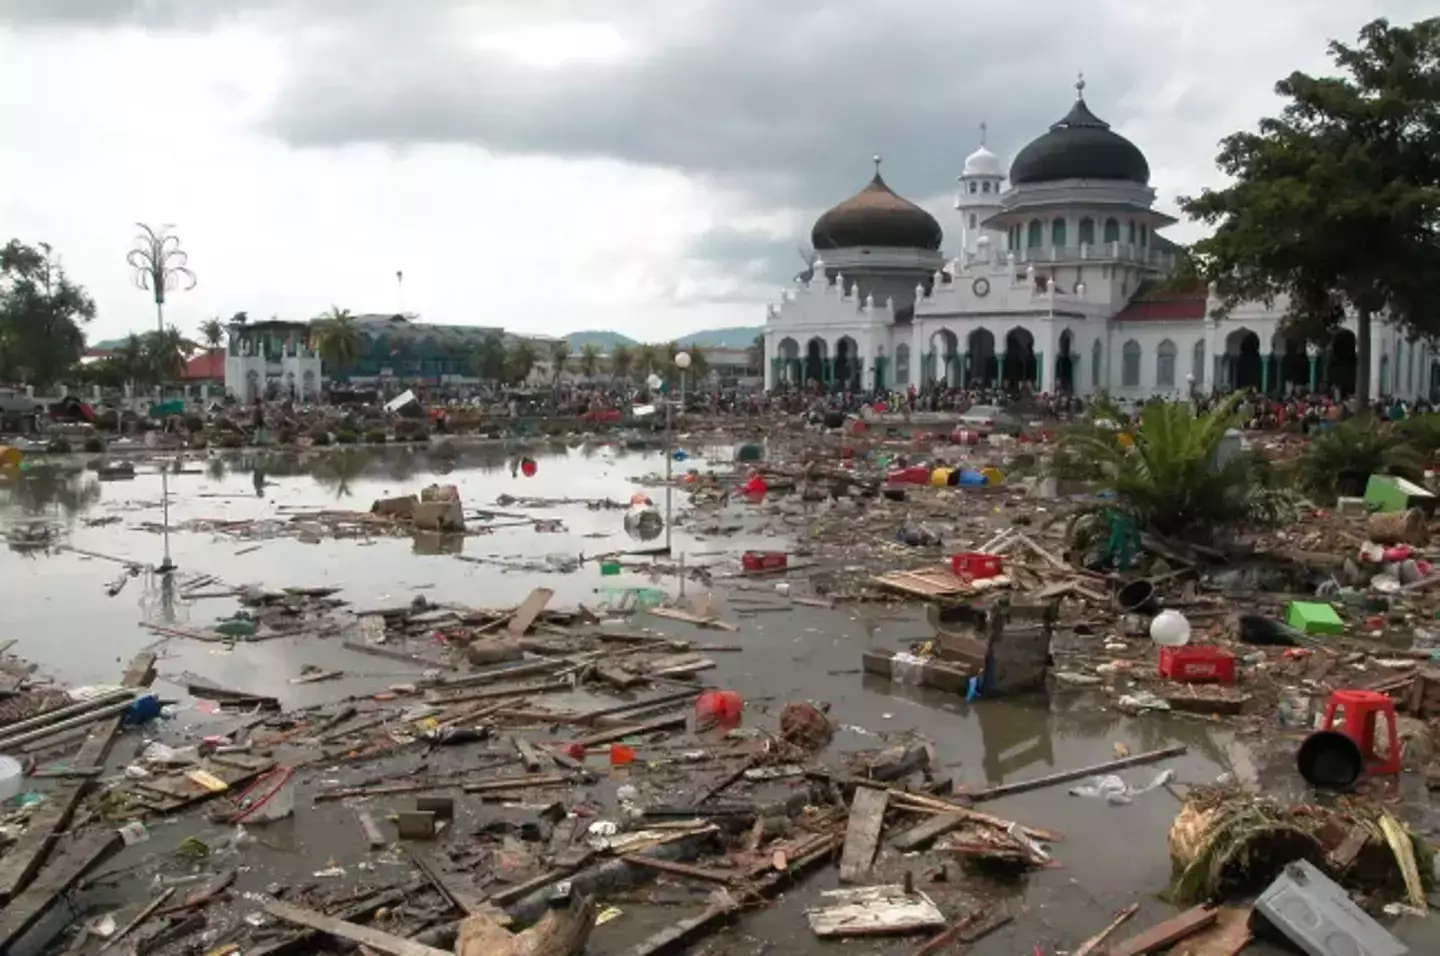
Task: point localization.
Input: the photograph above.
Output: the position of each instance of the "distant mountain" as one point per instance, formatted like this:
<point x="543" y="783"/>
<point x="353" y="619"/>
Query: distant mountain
<point x="604" y="341"/>
<point x="738" y="337"/>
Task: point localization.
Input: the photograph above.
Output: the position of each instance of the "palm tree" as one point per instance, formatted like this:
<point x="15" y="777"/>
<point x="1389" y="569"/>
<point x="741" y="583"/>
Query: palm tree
<point x="212" y="332"/>
<point x="621" y="359"/>
<point x="488" y="359"/>
<point x="1339" y="460"/>
<point x="337" y="338"/>
<point x="699" y="369"/>
<point x="559" y="358"/>
<point x="589" y="359"/>
<point x="520" y="361"/>
<point x="165" y="353"/>
<point x="131" y="359"/>
<point x="647" y="359"/>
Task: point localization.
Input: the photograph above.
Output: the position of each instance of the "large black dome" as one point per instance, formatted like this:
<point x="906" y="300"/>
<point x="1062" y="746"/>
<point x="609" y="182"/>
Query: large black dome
<point x="1080" y="146"/>
<point x="875" y="216"/>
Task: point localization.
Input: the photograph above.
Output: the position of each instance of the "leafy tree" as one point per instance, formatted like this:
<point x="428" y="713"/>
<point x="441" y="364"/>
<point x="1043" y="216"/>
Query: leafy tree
<point x="337" y="338"/>
<point x="240" y="318"/>
<point x="42" y="315"/>
<point x="589" y="359"/>
<point x="559" y="358"/>
<point x="488" y="362"/>
<point x="212" y="333"/>
<point x="1335" y="202"/>
<point x="520" y="361"/>
<point x="699" y="369"/>
<point x="755" y="353"/>
<point x="132" y="360"/>
<point x="621" y="361"/>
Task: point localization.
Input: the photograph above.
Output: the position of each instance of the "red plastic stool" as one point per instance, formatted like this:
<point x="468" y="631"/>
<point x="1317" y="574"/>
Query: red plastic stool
<point x="1359" y="710"/>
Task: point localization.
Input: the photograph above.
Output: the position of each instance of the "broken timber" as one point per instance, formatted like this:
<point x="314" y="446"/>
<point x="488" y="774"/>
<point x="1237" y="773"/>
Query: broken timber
<point x="1164" y="935"/>
<point x="354" y="932"/>
<point x="25" y="857"/>
<point x="862" y="835"/>
<point x="24" y="910"/>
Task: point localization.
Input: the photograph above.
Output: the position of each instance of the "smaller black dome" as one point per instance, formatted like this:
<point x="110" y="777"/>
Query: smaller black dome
<point x="1080" y="146"/>
<point x="875" y="216"/>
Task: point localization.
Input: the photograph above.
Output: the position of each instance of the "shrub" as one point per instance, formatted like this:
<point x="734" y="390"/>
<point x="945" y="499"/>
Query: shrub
<point x="376" y="436"/>
<point x="319" y="437"/>
<point x="345" y="437"/>
<point x="1340" y="460"/>
<point x="410" y="429"/>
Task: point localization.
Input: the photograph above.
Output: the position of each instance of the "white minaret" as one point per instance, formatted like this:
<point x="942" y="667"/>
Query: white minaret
<point x="978" y="197"/>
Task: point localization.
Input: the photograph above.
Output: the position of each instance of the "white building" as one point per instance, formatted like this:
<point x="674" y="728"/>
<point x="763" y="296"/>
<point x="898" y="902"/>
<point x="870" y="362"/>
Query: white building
<point x="1057" y="281"/>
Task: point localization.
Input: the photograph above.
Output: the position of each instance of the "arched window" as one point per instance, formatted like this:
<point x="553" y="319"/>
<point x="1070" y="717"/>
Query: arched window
<point x="1097" y="355"/>
<point x="1165" y="364"/>
<point x="1112" y="230"/>
<point x="1130" y="365"/>
<point x="1057" y="233"/>
<point x="1131" y="240"/>
<point x="1087" y="231"/>
<point x="1035" y="235"/>
<point x="1197" y="360"/>
<point x="902" y="364"/>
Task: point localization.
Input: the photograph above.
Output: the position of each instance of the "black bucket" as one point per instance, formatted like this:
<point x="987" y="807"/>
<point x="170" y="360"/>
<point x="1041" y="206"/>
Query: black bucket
<point x="1329" y="760"/>
<point x="1137" y="597"/>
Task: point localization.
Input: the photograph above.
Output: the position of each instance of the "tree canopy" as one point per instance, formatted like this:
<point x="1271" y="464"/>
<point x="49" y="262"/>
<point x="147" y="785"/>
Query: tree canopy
<point x="1335" y="203"/>
<point x="42" y="315"/>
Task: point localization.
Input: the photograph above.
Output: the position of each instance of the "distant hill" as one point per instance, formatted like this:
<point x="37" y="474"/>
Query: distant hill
<point x="738" y="337"/>
<point x="604" y="341"/>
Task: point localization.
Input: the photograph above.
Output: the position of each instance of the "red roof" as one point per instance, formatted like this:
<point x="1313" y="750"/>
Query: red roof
<point x="1153" y="303"/>
<point x="206" y="366"/>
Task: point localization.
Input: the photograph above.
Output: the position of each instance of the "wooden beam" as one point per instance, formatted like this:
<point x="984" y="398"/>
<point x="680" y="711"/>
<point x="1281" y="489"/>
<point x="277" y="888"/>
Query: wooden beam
<point x="862" y="835"/>
<point x="23" y="911"/>
<point x="373" y="938"/>
<point x="29" y="852"/>
<point x="930" y="830"/>
<point x="1164" y="935"/>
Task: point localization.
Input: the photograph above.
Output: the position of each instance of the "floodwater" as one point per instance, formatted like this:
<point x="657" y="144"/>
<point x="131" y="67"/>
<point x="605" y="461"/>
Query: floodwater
<point x="57" y="608"/>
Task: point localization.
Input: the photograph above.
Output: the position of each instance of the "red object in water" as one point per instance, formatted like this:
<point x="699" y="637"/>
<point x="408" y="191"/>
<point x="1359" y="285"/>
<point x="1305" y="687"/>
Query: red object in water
<point x="1197" y="663"/>
<point x="528" y="467"/>
<point x="755" y="486"/>
<point x="1375" y="623"/>
<point x="914" y="475"/>
<point x="857" y="427"/>
<point x="964" y="436"/>
<point x="602" y="415"/>
<point x="879" y="408"/>
<point x="720" y="707"/>
<point x="1361" y="710"/>
<point x="575" y="751"/>
<point x="764" y="560"/>
<point x="976" y="565"/>
<point x="620" y="755"/>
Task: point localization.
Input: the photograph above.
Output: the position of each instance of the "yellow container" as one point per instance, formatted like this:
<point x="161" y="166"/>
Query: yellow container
<point x="993" y="476"/>
<point x="10" y="456"/>
<point x="940" y="477"/>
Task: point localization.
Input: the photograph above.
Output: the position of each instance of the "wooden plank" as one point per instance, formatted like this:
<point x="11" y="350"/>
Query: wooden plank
<point x="874" y="911"/>
<point x="969" y="930"/>
<point x="1166" y="934"/>
<point x="529" y="610"/>
<point x="1065" y="776"/>
<point x="361" y="910"/>
<point x="1095" y="942"/>
<point x="932" y="829"/>
<point x="533" y="757"/>
<point x="28" y="853"/>
<point x="145" y="913"/>
<point x="355" y="933"/>
<point x="618" y="733"/>
<point x="682" y="869"/>
<point x="1229" y="935"/>
<point x="862" y="834"/>
<point x="460" y="898"/>
<point x="55" y="881"/>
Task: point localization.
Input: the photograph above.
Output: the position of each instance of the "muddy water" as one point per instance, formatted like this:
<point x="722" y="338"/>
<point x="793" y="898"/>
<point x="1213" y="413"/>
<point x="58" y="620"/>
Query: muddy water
<point x="55" y="604"/>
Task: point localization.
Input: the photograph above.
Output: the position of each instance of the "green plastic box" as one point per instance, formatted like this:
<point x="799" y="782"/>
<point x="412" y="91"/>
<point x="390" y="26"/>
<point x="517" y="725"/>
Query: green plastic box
<point x="1314" y="618"/>
<point x="1391" y="493"/>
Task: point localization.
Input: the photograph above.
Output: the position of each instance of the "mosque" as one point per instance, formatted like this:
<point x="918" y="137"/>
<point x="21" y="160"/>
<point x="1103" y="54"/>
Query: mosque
<point x="1058" y="281"/>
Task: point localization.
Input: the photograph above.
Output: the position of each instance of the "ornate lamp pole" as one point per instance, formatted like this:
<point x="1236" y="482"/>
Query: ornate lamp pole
<point x="160" y="265"/>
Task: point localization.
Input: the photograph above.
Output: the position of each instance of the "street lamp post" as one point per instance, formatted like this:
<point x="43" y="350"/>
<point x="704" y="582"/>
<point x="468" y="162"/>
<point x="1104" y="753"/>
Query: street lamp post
<point x="160" y="266"/>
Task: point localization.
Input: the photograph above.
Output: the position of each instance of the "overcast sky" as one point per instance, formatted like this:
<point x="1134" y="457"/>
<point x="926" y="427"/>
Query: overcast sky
<point x="647" y="166"/>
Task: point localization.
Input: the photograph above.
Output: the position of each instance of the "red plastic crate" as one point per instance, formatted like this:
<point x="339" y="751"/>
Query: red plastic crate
<point x="976" y="565"/>
<point x="764" y="560"/>
<point x="1197" y="663"/>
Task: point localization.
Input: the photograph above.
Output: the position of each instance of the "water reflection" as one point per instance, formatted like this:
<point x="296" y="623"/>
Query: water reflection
<point x="49" y="490"/>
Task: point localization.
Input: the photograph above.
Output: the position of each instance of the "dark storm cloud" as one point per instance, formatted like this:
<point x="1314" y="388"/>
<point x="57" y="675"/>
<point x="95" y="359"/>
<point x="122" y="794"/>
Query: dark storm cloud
<point x="785" y="101"/>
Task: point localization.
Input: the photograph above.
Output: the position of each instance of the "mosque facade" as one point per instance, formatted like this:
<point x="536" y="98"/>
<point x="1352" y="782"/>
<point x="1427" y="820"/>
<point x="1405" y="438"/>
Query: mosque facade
<point x="1058" y="279"/>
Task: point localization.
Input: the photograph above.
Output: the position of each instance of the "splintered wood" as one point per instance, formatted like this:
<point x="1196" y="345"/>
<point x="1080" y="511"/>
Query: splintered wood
<point x="875" y="911"/>
<point x="862" y="836"/>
